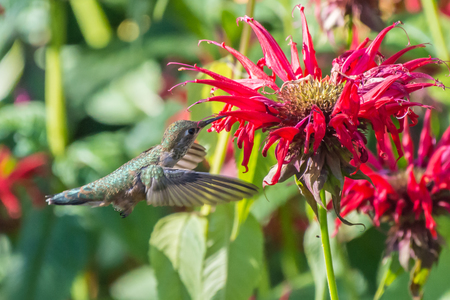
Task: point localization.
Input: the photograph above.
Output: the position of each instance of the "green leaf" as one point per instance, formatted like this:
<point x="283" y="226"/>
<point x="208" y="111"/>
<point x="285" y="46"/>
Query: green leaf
<point x="314" y="255"/>
<point x="128" y="98"/>
<point x="272" y="198"/>
<point x="177" y="249"/>
<point x="309" y="197"/>
<point x="131" y="235"/>
<point x="50" y="254"/>
<point x="389" y="271"/>
<point x="11" y="68"/>
<point x="232" y="268"/>
<point x="25" y="123"/>
<point x="5" y="256"/>
<point x="242" y="208"/>
<point x="138" y="284"/>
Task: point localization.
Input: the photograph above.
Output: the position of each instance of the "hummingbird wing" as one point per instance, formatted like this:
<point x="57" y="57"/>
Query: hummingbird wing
<point x="195" y="155"/>
<point x="176" y="187"/>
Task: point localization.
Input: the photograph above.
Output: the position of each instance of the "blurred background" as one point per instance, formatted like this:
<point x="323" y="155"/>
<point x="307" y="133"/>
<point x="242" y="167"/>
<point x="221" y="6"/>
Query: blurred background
<point x="84" y="88"/>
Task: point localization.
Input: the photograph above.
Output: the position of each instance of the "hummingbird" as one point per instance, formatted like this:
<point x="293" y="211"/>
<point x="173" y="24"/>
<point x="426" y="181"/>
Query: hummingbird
<point x="162" y="175"/>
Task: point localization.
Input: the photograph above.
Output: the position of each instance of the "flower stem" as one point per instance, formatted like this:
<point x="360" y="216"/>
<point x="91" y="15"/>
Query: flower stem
<point x="54" y="91"/>
<point x="221" y="148"/>
<point x="219" y="158"/>
<point x="326" y="248"/>
<point x="431" y="13"/>
<point x="245" y="37"/>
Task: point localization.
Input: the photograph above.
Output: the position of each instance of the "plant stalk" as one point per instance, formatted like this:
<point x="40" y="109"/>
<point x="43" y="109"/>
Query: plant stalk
<point x="219" y="154"/>
<point x="54" y="91"/>
<point x="245" y="37"/>
<point x="432" y="15"/>
<point x="327" y="248"/>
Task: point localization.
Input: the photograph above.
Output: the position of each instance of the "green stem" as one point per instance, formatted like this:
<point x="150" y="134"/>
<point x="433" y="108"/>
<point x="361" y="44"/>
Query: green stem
<point x="221" y="148"/>
<point x="350" y="31"/>
<point x="245" y="37"/>
<point x="54" y="92"/>
<point x="219" y="158"/>
<point x="326" y="248"/>
<point x="431" y="13"/>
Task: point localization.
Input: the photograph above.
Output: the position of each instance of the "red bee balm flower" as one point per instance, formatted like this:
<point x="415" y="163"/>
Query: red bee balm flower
<point x="317" y="121"/>
<point x="19" y="173"/>
<point x="406" y="199"/>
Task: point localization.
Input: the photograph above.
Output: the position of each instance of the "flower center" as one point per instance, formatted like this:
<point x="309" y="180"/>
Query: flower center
<point x="300" y="96"/>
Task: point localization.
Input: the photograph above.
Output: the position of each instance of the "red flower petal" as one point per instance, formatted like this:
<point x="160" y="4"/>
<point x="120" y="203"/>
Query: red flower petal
<point x="308" y="52"/>
<point x="295" y="60"/>
<point x="257" y="118"/>
<point x="10" y="201"/>
<point x="274" y="56"/>
<point x="245" y="103"/>
<point x="252" y="70"/>
<point x="427" y="140"/>
<point x="366" y="60"/>
<point x="396" y="56"/>
<point x="320" y="127"/>
<point x="407" y="142"/>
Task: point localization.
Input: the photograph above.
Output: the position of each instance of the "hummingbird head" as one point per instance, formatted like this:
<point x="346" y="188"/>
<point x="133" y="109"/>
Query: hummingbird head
<point x="182" y="134"/>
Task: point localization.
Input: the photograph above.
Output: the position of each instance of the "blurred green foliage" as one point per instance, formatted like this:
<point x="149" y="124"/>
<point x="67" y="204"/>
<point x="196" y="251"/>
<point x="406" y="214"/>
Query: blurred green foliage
<point x="115" y="79"/>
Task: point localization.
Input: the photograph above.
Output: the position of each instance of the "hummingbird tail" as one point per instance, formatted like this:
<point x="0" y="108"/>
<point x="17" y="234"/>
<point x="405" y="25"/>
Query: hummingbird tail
<point x="72" y="197"/>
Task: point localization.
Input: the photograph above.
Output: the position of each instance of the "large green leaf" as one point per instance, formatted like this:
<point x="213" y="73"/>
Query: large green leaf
<point x="50" y="253"/>
<point x="11" y="68"/>
<point x="138" y="284"/>
<point x="232" y="268"/>
<point x="177" y="250"/>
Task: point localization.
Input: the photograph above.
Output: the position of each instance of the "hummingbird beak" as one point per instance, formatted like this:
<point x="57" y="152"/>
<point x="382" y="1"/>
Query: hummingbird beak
<point x="203" y="123"/>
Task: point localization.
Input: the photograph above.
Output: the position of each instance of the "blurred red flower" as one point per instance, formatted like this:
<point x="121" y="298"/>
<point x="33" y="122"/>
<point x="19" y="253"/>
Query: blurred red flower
<point x="19" y="173"/>
<point x="406" y="199"/>
<point x="317" y="121"/>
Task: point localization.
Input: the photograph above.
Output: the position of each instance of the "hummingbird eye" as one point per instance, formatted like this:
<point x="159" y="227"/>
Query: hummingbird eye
<point x="191" y="131"/>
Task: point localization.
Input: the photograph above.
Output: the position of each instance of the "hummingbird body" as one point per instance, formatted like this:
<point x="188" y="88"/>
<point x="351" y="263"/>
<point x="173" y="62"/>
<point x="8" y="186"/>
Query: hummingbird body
<point x="162" y="175"/>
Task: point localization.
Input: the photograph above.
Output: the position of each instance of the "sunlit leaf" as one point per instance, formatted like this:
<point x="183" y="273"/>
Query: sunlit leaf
<point x="11" y="68"/>
<point x="177" y="249"/>
<point x="138" y="284"/>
